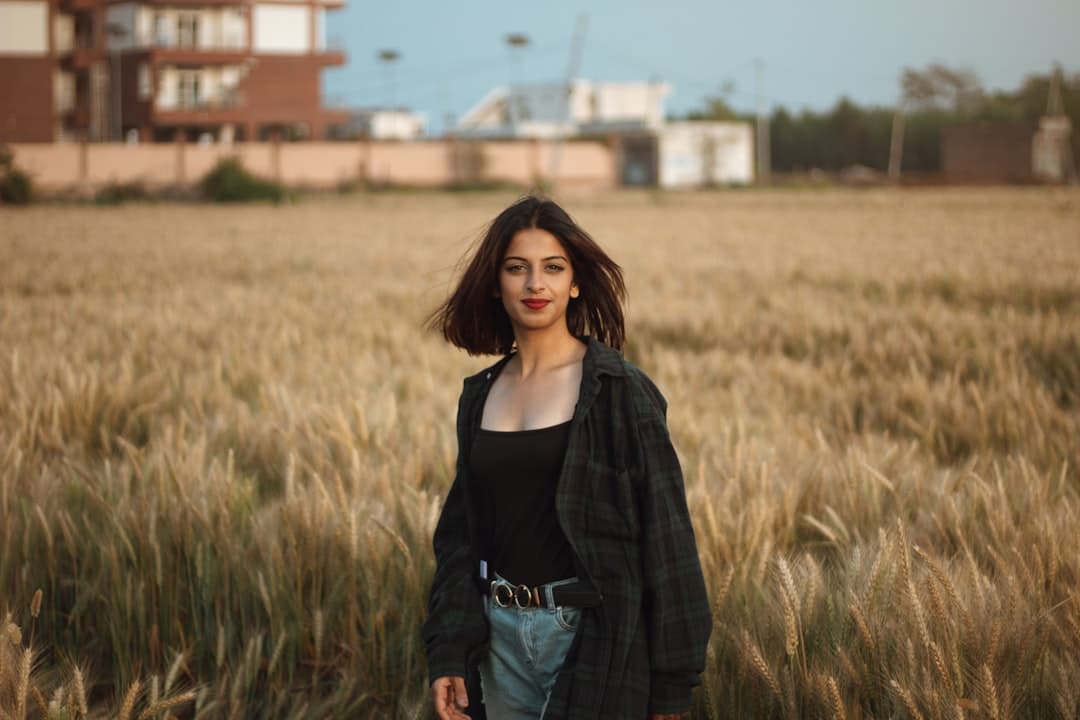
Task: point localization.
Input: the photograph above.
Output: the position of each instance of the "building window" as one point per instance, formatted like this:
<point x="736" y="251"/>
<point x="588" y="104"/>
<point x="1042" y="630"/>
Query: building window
<point x="189" y="94"/>
<point x="187" y="27"/>
<point x="146" y="87"/>
<point x="161" y="31"/>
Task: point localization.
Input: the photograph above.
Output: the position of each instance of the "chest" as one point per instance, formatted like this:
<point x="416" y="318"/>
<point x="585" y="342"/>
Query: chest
<point x="515" y="404"/>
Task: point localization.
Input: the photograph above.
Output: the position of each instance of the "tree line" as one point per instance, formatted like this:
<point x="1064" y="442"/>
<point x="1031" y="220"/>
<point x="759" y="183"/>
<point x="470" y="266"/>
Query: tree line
<point x="932" y="98"/>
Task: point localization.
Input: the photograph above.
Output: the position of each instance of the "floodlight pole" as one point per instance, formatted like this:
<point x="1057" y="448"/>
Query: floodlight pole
<point x="388" y="57"/>
<point x="516" y="42"/>
<point x="763" y="160"/>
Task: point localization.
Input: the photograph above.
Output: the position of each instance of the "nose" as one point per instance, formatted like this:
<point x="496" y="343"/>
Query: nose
<point x="535" y="281"/>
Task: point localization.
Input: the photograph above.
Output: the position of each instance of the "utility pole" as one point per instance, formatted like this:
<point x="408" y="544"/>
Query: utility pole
<point x="517" y="42"/>
<point x="388" y="58"/>
<point x="896" y="143"/>
<point x="763" y="155"/>
<point x="577" y="47"/>
<point x="1053" y="145"/>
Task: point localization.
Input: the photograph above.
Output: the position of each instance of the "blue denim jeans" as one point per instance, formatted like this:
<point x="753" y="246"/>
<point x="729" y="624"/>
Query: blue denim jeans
<point x="528" y="648"/>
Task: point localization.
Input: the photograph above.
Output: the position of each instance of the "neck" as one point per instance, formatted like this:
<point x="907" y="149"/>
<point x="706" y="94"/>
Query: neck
<point x="538" y="352"/>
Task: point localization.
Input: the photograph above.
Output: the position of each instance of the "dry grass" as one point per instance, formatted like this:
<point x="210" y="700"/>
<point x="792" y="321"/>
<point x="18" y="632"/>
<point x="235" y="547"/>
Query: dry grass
<point x="224" y="441"/>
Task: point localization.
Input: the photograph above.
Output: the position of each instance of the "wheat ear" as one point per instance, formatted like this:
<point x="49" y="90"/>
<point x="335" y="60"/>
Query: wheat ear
<point x="834" y="699"/>
<point x="167" y="704"/>
<point x="762" y="667"/>
<point x="129" y="701"/>
<point x="907" y="700"/>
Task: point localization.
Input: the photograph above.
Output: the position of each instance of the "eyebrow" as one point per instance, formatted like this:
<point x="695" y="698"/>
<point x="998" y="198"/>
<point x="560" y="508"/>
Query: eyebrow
<point x="550" y="257"/>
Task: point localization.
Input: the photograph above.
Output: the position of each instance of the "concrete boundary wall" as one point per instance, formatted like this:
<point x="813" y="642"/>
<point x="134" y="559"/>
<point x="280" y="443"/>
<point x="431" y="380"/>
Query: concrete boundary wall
<point x="87" y="166"/>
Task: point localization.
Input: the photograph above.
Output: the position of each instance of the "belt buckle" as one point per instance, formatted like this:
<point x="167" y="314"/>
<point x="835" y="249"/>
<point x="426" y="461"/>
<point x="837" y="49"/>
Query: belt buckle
<point x="502" y="593"/>
<point x="528" y="596"/>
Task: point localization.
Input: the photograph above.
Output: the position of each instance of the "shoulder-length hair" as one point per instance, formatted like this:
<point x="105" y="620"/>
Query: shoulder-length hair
<point x="473" y="319"/>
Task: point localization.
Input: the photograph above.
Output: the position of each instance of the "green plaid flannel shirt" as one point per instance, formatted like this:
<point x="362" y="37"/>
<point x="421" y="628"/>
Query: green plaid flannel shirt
<point x="622" y="504"/>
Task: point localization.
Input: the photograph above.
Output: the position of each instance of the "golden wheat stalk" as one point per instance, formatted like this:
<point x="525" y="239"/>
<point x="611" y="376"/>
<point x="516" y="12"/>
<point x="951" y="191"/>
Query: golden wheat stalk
<point x="22" y="684"/>
<point x="989" y="693"/>
<point x="757" y="662"/>
<point x="39" y="701"/>
<point x="835" y="702"/>
<point x="861" y="625"/>
<point x="79" y="690"/>
<point x="167" y="704"/>
<point x="907" y="699"/>
<point x="128" y="705"/>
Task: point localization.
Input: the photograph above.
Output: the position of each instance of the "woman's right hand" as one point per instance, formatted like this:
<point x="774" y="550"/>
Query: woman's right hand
<point x="450" y="699"/>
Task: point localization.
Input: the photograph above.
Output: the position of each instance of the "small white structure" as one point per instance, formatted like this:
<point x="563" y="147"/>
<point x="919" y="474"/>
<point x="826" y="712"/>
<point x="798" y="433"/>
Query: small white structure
<point x="552" y="109"/>
<point x="650" y="150"/>
<point x="694" y="154"/>
<point x="385" y="124"/>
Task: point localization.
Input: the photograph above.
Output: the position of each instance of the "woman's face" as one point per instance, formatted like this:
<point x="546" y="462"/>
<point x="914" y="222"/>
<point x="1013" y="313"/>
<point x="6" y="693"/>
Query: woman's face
<point x="536" y="281"/>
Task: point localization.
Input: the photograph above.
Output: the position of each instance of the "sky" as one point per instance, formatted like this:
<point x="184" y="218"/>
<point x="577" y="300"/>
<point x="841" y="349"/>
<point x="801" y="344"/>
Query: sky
<point x="811" y="52"/>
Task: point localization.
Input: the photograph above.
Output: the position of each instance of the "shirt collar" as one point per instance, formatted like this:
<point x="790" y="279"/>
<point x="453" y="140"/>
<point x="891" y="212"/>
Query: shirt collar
<point x="599" y="360"/>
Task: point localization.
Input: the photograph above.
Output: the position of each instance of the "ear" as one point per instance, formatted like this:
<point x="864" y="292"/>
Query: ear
<point x="574" y="290"/>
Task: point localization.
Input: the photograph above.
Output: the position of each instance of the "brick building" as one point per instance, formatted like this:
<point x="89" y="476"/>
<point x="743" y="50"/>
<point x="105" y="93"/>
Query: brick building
<point x="154" y="69"/>
<point x="988" y="153"/>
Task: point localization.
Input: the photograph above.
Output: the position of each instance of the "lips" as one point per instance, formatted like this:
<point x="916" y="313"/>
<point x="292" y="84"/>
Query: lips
<point x="536" y="304"/>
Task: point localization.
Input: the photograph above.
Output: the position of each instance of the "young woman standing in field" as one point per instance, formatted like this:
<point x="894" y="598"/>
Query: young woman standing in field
<point x="567" y="581"/>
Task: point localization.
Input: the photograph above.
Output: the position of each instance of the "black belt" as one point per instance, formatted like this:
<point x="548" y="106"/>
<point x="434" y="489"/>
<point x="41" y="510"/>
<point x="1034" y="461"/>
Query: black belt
<point x="576" y="594"/>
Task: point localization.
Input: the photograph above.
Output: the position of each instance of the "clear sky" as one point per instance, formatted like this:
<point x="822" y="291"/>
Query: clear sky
<point x="813" y="52"/>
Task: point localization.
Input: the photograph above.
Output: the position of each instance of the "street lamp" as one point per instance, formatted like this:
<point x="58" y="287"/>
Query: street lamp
<point x="117" y="32"/>
<point x="516" y="42"/>
<point x="388" y="58"/>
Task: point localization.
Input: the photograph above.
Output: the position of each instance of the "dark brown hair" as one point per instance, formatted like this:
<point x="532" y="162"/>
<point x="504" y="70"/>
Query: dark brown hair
<point x="473" y="319"/>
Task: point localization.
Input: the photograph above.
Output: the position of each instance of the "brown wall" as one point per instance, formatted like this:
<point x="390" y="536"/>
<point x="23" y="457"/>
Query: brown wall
<point x="63" y="166"/>
<point x="989" y="153"/>
<point x="26" y="102"/>
<point x="277" y="88"/>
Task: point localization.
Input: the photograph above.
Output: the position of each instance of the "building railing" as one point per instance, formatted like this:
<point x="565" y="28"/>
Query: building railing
<point x="227" y="101"/>
<point x="165" y="42"/>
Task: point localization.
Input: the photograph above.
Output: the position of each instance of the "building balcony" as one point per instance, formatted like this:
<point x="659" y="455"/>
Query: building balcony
<point x="330" y="57"/>
<point x="202" y="55"/>
<point x="74" y="5"/>
<point x="195" y="3"/>
<point x="81" y="58"/>
<point x="229" y="107"/>
<point x="77" y="117"/>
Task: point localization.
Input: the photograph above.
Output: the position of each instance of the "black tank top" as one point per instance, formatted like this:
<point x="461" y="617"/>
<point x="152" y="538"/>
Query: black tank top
<point x="517" y="472"/>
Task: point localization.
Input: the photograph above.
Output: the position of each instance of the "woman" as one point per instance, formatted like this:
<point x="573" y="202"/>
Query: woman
<point x="567" y="578"/>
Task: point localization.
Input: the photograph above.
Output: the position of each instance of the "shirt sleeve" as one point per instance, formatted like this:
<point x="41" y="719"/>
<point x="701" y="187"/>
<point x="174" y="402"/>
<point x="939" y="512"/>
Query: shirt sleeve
<point x="455" y="622"/>
<point x="677" y="611"/>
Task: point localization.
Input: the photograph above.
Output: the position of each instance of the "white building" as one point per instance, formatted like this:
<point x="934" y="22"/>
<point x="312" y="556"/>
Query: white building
<point x="549" y="110"/>
<point x="694" y="154"/>
<point x="650" y="151"/>
<point x="384" y="124"/>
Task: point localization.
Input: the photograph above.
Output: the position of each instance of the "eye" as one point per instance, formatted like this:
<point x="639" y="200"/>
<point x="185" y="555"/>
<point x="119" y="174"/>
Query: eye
<point x="555" y="267"/>
<point x="514" y="267"/>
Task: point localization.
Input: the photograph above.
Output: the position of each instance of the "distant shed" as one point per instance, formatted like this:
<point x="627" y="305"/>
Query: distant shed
<point x="988" y="153"/>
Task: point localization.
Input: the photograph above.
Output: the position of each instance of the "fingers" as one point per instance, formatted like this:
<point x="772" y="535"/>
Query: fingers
<point x="460" y="697"/>
<point x="448" y="694"/>
<point x="440" y="695"/>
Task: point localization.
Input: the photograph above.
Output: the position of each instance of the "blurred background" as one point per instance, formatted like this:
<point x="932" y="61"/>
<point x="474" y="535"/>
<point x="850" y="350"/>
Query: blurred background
<point x="677" y="94"/>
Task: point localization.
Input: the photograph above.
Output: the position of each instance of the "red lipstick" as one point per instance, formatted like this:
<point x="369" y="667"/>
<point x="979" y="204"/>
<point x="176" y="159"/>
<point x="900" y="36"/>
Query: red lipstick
<point x="536" y="304"/>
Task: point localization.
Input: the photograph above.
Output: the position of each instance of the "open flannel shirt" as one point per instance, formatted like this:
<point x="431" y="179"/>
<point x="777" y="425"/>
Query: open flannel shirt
<point x="621" y="502"/>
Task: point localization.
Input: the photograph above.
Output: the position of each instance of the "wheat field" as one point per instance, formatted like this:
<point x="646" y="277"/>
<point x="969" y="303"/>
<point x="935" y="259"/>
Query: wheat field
<point x="225" y="438"/>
